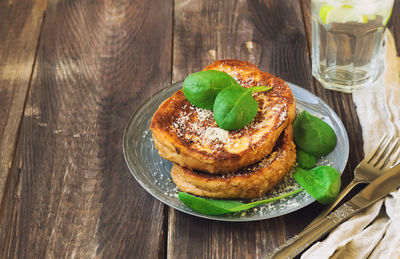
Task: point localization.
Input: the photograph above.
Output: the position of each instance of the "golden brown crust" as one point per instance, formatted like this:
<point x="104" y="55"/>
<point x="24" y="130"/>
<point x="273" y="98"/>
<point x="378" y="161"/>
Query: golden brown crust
<point x="250" y="182"/>
<point x="189" y="136"/>
<point x="244" y="72"/>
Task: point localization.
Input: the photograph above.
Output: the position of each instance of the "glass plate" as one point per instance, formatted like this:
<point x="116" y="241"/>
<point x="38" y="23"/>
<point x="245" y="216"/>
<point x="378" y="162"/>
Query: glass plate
<point x="153" y="172"/>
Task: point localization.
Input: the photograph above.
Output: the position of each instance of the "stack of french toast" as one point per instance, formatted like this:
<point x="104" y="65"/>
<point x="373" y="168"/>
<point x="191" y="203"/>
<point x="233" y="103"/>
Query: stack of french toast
<point x="212" y="162"/>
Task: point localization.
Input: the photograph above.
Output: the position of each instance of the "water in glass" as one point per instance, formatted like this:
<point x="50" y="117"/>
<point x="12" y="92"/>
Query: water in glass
<point x="346" y="41"/>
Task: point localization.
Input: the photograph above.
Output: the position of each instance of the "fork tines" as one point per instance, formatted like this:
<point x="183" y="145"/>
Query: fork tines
<point x="382" y="157"/>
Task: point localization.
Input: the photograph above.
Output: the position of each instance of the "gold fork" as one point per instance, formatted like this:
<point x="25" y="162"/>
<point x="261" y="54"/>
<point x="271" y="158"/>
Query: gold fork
<point x="370" y="168"/>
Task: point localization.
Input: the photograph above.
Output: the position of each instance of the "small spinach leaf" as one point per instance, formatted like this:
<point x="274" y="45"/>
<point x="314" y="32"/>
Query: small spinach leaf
<point x="322" y="182"/>
<point x="202" y="87"/>
<point x="305" y="160"/>
<point x="313" y="135"/>
<point x="235" y="107"/>
<point x="219" y="207"/>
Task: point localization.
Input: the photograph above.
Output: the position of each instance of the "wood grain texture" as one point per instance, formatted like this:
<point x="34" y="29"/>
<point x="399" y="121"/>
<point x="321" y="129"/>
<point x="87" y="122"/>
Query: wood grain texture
<point x="394" y="24"/>
<point x="19" y="34"/>
<point x="271" y="35"/>
<point x="71" y="194"/>
<point x="246" y="30"/>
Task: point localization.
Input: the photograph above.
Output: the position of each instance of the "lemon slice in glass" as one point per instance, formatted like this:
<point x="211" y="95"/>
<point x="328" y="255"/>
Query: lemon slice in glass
<point x="388" y="14"/>
<point x="324" y="10"/>
<point x="341" y="14"/>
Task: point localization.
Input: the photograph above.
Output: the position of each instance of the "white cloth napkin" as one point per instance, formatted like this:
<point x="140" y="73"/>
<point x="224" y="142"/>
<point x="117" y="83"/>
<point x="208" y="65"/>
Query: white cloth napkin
<point x="375" y="233"/>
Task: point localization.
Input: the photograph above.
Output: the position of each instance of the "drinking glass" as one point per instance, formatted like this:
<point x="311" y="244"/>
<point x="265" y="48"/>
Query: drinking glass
<point x="347" y="40"/>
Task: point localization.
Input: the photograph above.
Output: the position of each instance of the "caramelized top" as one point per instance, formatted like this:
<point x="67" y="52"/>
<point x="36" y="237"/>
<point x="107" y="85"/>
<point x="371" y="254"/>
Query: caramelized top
<point x="196" y="130"/>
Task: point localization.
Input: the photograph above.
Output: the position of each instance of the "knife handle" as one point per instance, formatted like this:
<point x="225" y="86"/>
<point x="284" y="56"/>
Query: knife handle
<point x="297" y="244"/>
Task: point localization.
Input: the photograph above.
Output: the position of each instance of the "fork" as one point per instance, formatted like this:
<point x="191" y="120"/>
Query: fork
<point x="370" y="168"/>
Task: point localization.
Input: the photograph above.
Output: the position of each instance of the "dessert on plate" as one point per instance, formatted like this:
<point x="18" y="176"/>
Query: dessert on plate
<point x="213" y="162"/>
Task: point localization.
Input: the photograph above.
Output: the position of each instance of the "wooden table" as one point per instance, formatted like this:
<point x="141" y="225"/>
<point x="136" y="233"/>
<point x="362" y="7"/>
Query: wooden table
<point x="72" y="73"/>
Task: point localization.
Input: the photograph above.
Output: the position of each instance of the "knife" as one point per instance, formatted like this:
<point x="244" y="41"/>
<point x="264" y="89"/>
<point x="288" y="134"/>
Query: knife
<point x="373" y="192"/>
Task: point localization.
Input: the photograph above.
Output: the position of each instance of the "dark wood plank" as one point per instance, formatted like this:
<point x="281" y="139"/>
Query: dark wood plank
<point x="271" y="35"/>
<point x="394" y="23"/>
<point x="246" y="30"/>
<point x="20" y="23"/>
<point x="71" y="194"/>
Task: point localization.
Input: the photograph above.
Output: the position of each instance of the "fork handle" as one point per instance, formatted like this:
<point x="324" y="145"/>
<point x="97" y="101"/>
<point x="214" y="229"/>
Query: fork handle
<point x="328" y="209"/>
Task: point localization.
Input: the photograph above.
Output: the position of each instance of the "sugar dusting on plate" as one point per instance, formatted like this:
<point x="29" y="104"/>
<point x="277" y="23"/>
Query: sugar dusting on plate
<point x="287" y="184"/>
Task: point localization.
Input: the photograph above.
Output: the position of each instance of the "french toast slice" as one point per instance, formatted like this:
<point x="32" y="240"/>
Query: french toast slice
<point x="189" y="136"/>
<point x="250" y="182"/>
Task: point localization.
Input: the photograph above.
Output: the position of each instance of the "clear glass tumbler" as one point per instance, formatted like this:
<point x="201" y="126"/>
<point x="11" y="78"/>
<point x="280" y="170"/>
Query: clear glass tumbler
<point x="346" y="42"/>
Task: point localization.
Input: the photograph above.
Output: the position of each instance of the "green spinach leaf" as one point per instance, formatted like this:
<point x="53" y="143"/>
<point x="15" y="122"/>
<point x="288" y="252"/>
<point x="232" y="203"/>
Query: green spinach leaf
<point x="235" y="107"/>
<point x="202" y="87"/>
<point x="305" y="160"/>
<point x="322" y="182"/>
<point x="219" y="207"/>
<point x="313" y="135"/>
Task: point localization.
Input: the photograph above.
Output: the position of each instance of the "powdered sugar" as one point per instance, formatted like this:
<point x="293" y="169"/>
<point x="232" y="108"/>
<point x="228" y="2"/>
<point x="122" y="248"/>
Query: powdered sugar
<point x="198" y="126"/>
<point x="217" y="134"/>
<point x="203" y="114"/>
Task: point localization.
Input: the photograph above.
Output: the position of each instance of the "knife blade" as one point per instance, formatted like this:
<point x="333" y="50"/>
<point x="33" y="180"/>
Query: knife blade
<point x="373" y="192"/>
